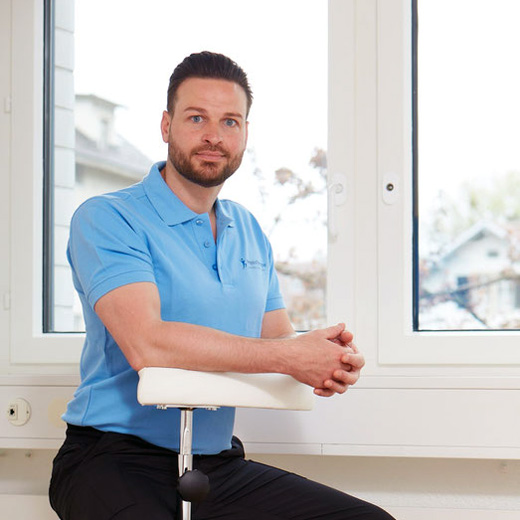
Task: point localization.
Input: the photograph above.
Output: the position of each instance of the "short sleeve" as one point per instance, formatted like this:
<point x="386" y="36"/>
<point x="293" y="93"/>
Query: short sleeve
<point x="105" y="250"/>
<point x="274" y="295"/>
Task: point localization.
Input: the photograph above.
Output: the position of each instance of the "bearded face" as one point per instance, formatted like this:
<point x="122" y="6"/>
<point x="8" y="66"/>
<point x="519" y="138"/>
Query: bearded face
<point x="206" y="165"/>
<point x="207" y="130"/>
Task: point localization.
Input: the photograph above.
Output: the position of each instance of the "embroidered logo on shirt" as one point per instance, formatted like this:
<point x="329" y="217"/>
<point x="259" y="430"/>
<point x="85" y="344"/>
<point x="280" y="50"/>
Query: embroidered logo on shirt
<point x="252" y="264"/>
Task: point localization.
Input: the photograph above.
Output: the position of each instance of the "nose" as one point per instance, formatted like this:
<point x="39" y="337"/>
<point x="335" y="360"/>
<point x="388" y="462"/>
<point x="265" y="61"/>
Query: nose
<point x="212" y="134"/>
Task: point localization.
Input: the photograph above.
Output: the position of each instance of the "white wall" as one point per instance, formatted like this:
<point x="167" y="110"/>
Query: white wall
<point x="410" y="487"/>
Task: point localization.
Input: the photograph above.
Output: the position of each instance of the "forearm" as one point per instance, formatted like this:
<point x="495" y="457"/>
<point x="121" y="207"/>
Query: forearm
<point x="312" y="358"/>
<point x="194" y="347"/>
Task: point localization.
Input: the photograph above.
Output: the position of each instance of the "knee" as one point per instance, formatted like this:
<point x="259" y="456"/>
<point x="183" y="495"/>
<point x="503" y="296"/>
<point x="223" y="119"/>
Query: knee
<point x="379" y="514"/>
<point x="368" y="511"/>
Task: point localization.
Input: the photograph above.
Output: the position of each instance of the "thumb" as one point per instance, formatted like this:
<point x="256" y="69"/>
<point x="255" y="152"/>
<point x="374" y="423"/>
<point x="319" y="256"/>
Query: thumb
<point x="334" y="331"/>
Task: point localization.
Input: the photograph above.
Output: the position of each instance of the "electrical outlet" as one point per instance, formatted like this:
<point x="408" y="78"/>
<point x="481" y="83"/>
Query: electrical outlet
<point x="18" y="412"/>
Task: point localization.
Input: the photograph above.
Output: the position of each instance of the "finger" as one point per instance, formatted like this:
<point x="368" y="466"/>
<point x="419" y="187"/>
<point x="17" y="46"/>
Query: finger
<point x="345" y="358"/>
<point x="356" y="361"/>
<point x="334" y="332"/>
<point x="338" y="386"/>
<point x="322" y="392"/>
<point x="346" y="337"/>
<point x="348" y="350"/>
<point x="346" y="378"/>
<point x="353" y="346"/>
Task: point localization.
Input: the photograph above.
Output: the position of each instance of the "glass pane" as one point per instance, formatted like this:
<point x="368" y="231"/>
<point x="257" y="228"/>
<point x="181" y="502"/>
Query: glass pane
<point x="469" y="164"/>
<point x="119" y="90"/>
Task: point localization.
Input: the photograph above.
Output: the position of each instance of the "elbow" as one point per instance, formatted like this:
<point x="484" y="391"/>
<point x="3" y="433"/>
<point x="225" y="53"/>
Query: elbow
<point x="135" y="359"/>
<point x="141" y="346"/>
<point x="135" y="353"/>
<point x="137" y="363"/>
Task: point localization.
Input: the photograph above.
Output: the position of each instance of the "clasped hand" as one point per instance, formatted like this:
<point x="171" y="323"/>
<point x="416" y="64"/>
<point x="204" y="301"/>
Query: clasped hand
<point x="329" y="361"/>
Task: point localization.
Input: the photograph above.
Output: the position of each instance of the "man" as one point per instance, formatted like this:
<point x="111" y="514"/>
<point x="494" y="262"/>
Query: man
<point x="169" y="275"/>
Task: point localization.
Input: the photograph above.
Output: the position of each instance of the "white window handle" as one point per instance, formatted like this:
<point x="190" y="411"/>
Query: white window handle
<point x="337" y="196"/>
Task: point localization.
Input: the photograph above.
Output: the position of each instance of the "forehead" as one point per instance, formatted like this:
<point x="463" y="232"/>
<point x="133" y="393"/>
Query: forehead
<point x="211" y="94"/>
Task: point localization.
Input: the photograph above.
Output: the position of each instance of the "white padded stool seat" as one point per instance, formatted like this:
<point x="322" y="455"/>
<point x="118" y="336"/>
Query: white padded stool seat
<point x="189" y="389"/>
<point x="178" y="388"/>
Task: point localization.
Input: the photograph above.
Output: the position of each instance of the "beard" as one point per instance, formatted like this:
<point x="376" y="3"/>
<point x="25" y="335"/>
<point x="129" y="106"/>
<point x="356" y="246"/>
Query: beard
<point x="207" y="174"/>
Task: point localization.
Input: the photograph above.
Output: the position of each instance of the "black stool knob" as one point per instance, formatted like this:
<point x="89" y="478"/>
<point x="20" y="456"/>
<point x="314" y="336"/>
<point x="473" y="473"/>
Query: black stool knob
<point x="193" y="486"/>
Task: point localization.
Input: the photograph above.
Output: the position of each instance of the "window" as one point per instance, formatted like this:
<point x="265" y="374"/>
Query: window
<point x="410" y="335"/>
<point x="368" y="154"/>
<point x="28" y="344"/>
<point x="112" y="98"/>
<point x="468" y="168"/>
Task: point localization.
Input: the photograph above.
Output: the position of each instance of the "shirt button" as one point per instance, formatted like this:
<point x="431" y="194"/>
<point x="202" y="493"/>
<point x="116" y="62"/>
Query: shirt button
<point x="199" y="222"/>
<point x="214" y="267"/>
<point x="207" y="243"/>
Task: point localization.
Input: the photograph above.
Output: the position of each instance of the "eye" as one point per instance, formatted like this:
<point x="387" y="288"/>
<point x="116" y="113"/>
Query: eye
<point x="196" y="119"/>
<point x="230" y="122"/>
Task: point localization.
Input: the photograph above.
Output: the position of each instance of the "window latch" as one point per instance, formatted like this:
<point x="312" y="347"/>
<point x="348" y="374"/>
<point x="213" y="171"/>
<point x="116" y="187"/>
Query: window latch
<point x="337" y="196"/>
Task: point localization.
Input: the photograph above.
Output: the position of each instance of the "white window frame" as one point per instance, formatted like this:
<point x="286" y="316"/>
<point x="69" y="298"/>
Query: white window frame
<point x="5" y="157"/>
<point x="28" y="345"/>
<point x="426" y="392"/>
<point x="29" y="348"/>
<point x="401" y="345"/>
<point x="370" y="263"/>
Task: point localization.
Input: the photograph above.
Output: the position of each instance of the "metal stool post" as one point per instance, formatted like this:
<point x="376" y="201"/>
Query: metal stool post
<point x="185" y="453"/>
<point x="193" y="485"/>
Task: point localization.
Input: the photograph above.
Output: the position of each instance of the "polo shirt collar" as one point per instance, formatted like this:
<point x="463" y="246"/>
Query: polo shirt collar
<point x="224" y="218"/>
<point x="169" y="207"/>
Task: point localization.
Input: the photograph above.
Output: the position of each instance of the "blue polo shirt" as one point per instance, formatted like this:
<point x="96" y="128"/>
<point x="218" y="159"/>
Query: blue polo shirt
<point x="144" y="233"/>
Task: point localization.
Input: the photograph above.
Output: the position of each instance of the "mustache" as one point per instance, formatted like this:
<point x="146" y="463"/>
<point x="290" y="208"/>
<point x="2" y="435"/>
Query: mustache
<point x="211" y="148"/>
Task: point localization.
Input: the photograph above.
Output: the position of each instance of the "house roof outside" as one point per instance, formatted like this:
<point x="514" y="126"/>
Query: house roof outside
<point x="477" y="231"/>
<point x="99" y="146"/>
<point x="125" y="159"/>
<point x="474" y="283"/>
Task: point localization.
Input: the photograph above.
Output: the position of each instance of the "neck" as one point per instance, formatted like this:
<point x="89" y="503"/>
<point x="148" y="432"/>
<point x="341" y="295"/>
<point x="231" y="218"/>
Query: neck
<point x="198" y="198"/>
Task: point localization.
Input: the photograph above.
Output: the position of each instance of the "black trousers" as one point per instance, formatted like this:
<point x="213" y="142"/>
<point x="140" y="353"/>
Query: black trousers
<point x="102" y="476"/>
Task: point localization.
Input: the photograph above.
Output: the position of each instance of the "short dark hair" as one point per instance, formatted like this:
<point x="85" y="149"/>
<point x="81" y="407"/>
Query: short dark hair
<point x="207" y="65"/>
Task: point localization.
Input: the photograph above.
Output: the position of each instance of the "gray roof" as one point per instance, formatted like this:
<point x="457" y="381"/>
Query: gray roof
<point x="124" y="159"/>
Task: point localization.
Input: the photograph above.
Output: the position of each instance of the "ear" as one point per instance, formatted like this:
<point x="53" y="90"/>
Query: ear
<point x="247" y="133"/>
<point x="165" y="126"/>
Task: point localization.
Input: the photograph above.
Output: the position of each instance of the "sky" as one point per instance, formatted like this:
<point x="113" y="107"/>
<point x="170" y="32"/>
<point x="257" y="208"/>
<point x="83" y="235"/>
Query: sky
<point x="127" y="49"/>
<point x="469" y="85"/>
